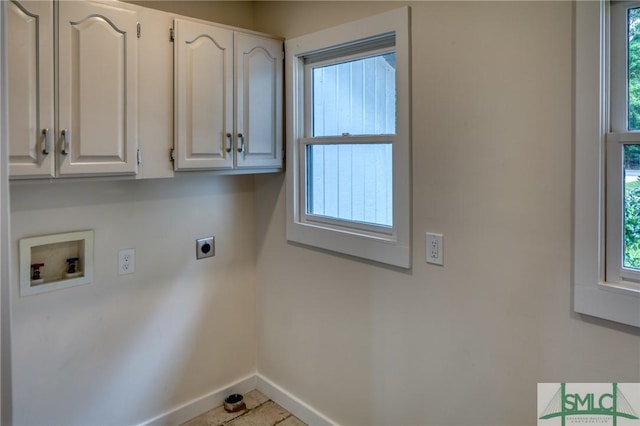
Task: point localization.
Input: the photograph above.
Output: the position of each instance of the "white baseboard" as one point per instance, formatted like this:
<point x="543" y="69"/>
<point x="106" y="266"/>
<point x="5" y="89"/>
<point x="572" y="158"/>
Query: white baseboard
<point x="198" y="406"/>
<point x="292" y="404"/>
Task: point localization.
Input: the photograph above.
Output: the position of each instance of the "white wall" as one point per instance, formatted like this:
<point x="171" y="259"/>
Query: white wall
<point x="125" y="349"/>
<point x="235" y="13"/>
<point x="463" y="344"/>
<point x="362" y="343"/>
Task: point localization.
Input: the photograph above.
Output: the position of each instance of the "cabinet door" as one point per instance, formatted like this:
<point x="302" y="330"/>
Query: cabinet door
<point x="30" y="88"/>
<point x="258" y="101"/>
<point x="203" y="65"/>
<point x="98" y="75"/>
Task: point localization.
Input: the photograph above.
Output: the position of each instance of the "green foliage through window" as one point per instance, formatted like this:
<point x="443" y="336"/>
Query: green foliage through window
<point x="632" y="152"/>
<point x="632" y="228"/>
<point x="633" y="26"/>
<point x="631" y="206"/>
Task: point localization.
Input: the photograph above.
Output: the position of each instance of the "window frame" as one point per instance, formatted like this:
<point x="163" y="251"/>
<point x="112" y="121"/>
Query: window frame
<point x="595" y="292"/>
<point x="328" y="221"/>
<point x="308" y="81"/>
<point x="619" y="135"/>
<point x="379" y="243"/>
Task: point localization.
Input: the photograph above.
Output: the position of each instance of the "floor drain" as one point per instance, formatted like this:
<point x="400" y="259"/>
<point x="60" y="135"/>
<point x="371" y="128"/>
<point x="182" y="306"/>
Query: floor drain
<point x="234" y="403"/>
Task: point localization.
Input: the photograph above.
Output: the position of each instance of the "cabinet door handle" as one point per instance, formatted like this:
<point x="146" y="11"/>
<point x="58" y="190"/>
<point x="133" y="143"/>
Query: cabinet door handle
<point x="229" y="136"/>
<point x="241" y="146"/>
<point x="45" y="141"/>
<point x="65" y="142"/>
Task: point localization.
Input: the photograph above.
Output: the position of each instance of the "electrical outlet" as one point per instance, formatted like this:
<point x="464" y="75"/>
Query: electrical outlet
<point x="126" y="261"/>
<point x="435" y="252"/>
<point x="205" y="247"/>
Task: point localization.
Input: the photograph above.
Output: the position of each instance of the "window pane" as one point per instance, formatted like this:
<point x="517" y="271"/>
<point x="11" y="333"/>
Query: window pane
<point x="633" y="34"/>
<point x="350" y="182"/>
<point x="631" y="206"/>
<point x="356" y="97"/>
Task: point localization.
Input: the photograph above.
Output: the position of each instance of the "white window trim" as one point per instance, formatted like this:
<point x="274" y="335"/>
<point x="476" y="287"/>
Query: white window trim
<point x="593" y="295"/>
<point x="395" y="247"/>
<point x="5" y="285"/>
<point x="615" y="271"/>
<point x="615" y="141"/>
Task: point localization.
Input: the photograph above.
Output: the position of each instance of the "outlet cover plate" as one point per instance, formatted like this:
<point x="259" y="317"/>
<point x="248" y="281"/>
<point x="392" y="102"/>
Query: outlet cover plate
<point x="435" y="248"/>
<point x="205" y="247"/>
<point x="126" y="261"/>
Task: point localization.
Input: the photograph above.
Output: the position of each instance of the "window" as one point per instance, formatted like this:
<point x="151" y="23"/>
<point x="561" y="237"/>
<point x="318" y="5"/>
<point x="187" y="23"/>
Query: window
<point x="351" y="113"/>
<point x="607" y="147"/>
<point x="348" y="168"/>
<point x="623" y="147"/>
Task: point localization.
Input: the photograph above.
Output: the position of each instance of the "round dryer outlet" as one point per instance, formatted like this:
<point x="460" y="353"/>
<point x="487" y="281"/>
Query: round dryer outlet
<point x="205" y="247"/>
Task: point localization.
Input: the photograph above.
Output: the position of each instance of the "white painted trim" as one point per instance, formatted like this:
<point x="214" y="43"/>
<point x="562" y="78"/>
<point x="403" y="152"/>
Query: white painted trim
<point x="592" y="293"/>
<point x="291" y="403"/>
<point x="618" y="136"/>
<point x="201" y="405"/>
<point x="276" y="393"/>
<point x="396" y="251"/>
<point x="618" y="45"/>
<point x="5" y="261"/>
<point x="86" y="261"/>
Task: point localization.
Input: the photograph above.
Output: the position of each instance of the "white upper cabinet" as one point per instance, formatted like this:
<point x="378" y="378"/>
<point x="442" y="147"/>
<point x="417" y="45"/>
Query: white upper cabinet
<point x="203" y="96"/>
<point x="258" y="101"/>
<point x="93" y="85"/>
<point x="30" y="88"/>
<point x="98" y="75"/>
<point x="96" y="131"/>
<point x="228" y="98"/>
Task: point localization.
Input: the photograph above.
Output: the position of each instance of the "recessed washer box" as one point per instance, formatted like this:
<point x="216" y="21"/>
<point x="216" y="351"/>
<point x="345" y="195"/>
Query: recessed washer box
<point x="52" y="262"/>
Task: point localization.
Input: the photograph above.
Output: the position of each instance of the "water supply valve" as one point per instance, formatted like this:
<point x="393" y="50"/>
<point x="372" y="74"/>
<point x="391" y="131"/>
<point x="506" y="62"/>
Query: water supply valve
<point x="72" y="268"/>
<point x="35" y="273"/>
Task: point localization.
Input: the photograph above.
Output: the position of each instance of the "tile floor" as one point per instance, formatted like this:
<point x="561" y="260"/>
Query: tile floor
<point x="261" y="411"/>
